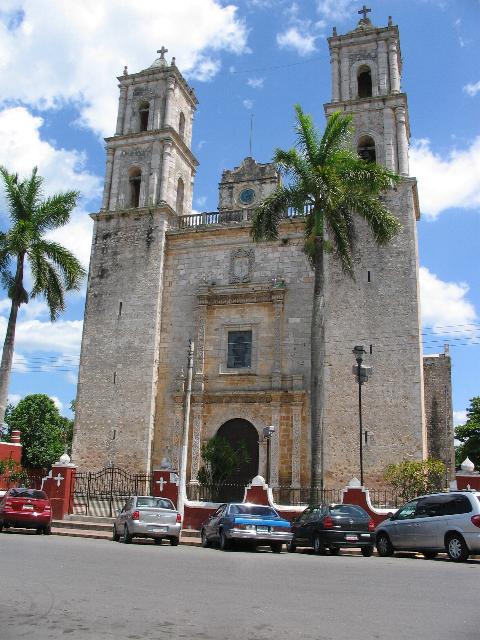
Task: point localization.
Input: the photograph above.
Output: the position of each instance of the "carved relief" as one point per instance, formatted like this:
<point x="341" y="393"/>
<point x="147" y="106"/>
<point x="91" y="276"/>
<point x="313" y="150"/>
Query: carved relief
<point x="196" y="437"/>
<point x="241" y="265"/>
<point x="176" y="437"/>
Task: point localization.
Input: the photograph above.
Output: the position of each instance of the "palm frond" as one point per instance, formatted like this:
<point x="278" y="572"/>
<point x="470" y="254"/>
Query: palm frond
<point x="341" y="228"/>
<point x="13" y="193"/>
<point x="67" y="265"/>
<point x="55" y="211"/>
<point x="268" y="215"/>
<point x="383" y="224"/>
<point x="308" y="137"/>
<point x="337" y="135"/>
<point x="32" y="191"/>
<point x="367" y="177"/>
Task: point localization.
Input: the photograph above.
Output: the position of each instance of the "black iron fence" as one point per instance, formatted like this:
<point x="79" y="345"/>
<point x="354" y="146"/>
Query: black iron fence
<point x="104" y="492"/>
<point x="216" y="492"/>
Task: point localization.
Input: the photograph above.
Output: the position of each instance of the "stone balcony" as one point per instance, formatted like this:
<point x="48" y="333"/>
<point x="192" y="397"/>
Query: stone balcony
<point x="222" y="218"/>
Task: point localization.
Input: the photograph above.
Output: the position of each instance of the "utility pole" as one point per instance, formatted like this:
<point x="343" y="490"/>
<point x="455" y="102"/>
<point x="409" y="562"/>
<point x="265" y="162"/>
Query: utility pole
<point x="361" y="374"/>
<point x="182" y="472"/>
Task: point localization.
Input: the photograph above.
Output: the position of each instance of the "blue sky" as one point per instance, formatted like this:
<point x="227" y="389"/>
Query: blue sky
<point x="58" y="98"/>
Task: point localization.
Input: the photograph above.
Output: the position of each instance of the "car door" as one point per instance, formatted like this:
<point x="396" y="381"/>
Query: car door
<point x="429" y="515"/>
<point x="401" y="529"/>
<point x="214" y="521"/>
<point x="300" y="530"/>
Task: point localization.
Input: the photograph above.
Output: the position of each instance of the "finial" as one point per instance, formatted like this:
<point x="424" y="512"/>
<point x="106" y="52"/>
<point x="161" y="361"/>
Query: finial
<point x="390" y="22"/>
<point x="334" y="31"/>
<point x="173" y="62"/>
<point x="364" y="11"/>
<point x="125" y="70"/>
<point x="162" y="52"/>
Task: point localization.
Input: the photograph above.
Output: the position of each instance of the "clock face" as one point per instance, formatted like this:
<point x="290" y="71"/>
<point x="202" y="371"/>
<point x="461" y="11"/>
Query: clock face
<point x="247" y="196"/>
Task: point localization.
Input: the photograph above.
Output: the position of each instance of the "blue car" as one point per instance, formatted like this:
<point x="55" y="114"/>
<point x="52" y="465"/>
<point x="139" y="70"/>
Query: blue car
<point x="255" y="524"/>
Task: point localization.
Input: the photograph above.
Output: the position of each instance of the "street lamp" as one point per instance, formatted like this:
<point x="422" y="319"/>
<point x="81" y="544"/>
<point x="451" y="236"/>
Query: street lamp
<point x="361" y="374"/>
<point x="267" y="435"/>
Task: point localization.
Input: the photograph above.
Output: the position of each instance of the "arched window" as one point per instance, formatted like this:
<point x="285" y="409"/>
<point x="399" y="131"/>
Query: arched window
<point x="366" y="149"/>
<point x="135" y="181"/>
<point x="144" y="110"/>
<point x="364" y="81"/>
<point x="180" y="195"/>
<point x="181" y="125"/>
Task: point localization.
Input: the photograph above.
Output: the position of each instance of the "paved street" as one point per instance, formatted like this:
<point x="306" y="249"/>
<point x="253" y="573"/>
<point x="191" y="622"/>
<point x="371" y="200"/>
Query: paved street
<point x="54" y="587"/>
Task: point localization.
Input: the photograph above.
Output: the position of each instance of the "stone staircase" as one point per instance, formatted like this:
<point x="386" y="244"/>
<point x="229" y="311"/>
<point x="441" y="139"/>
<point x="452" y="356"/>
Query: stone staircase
<point x="100" y="528"/>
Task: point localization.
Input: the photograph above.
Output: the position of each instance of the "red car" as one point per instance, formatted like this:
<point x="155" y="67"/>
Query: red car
<point x="27" y="509"/>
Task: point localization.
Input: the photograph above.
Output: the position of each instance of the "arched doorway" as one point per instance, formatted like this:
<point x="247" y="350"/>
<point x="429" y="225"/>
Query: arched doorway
<point x="236" y="431"/>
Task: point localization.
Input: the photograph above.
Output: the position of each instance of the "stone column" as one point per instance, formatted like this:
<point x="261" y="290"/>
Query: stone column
<point x="108" y="179"/>
<point x="277" y="338"/>
<point x="167" y="118"/>
<point x="402" y="140"/>
<point x="196" y="439"/>
<point x="59" y="485"/>
<point x="167" y="153"/>
<point x="389" y="138"/>
<point x="275" y="446"/>
<point x="394" y="70"/>
<point x="296" y="443"/>
<point x="154" y="173"/>
<point x="345" y="77"/>
<point x="382" y="68"/>
<point x="334" y="60"/>
<point x="121" y="109"/>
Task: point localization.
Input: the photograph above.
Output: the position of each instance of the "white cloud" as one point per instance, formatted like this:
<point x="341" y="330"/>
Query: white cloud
<point x="76" y="236"/>
<point x="255" y="83"/>
<point x="201" y="200"/>
<point x="459" y="417"/>
<point x="247" y="103"/>
<point x="14" y="398"/>
<point x="19" y="363"/>
<point x="446" y="182"/>
<point x="22" y="148"/>
<point x="445" y="308"/>
<point x="58" y="403"/>
<point x="293" y="38"/>
<point x="472" y="88"/>
<point x="73" y="51"/>
<point x="336" y="9"/>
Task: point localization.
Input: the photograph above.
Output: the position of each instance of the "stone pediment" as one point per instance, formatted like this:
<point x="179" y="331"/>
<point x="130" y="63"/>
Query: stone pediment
<point x="250" y="293"/>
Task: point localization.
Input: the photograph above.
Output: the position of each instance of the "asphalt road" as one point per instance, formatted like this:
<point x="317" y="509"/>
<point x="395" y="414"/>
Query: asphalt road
<point x="59" y="587"/>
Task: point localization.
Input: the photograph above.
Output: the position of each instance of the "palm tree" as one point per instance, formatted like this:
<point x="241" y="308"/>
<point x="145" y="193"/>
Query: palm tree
<point x="54" y="269"/>
<point x="328" y="183"/>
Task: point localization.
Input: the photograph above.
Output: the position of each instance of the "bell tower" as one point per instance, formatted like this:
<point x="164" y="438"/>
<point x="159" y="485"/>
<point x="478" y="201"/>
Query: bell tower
<point x="148" y="184"/>
<point x="366" y="75"/>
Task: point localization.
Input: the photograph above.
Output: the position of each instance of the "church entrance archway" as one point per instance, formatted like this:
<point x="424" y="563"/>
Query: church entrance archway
<point x="235" y="432"/>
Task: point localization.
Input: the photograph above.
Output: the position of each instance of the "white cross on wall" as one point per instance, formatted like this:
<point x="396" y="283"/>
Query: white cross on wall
<point x="58" y="478"/>
<point x="161" y="482"/>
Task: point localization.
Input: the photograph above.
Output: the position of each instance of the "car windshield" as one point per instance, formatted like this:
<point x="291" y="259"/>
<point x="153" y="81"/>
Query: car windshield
<point x="252" y="510"/>
<point x="158" y="503"/>
<point x="348" y="510"/>
<point x="33" y="494"/>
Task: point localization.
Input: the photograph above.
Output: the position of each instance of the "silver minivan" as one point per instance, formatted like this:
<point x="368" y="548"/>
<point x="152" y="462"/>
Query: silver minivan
<point x="434" y="523"/>
<point x="148" y="517"/>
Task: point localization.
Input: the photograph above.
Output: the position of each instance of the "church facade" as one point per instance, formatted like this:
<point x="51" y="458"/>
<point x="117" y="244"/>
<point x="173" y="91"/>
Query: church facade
<point x="161" y="275"/>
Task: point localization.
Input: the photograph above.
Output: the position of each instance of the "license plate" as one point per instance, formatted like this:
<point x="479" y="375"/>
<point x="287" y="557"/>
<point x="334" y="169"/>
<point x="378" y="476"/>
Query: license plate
<point x="28" y="507"/>
<point x="156" y="528"/>
<point x="262" y="529"/>
<point x="351" y="538"/>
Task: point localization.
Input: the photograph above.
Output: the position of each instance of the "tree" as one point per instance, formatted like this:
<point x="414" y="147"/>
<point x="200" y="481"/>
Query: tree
<point x="329" y="183"/>
<point x="469" y="435"/>
<point x="415" y="477"/>
<point x="220" y="461"/>
<point x="54" y="269"/>
<point x="44" y="431"/>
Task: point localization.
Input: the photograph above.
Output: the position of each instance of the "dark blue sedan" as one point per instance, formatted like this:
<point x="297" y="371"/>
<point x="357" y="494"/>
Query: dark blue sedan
<point x="255" y="524"/>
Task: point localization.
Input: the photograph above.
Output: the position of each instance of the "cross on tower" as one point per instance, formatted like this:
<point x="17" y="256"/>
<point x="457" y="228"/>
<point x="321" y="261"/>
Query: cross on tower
<point x="161" y="483"/>
<point x="58" y="478"/>
<point x="364" y="10"/>
<point x="163" y="51"/>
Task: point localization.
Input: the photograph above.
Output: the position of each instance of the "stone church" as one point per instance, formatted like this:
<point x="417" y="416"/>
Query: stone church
<point x="161" y="275"/>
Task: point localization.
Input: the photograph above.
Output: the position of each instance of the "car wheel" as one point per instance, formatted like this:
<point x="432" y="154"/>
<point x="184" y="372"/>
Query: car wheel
<point x="157" y="541"/>
<point x="39" y="531"/>
<point x="47" y="530"/>
<point x="318" y="546"/>
<point x="127" y="537"/>
<point x="276" y="547"/>
<point x="384" y="546"/>
<point x="1" y="527"/>
<point x="115" y="535"/>
<point x="291" y="547"/>
<point x="429" y="555"/>
<point x="224" y="542"/>
<point x="174" y="542"/>
<point x="367" y="552"/>
<point x="456" y="548"/>
<point x="205" y="540"/>
<point x="334" y="551"/>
